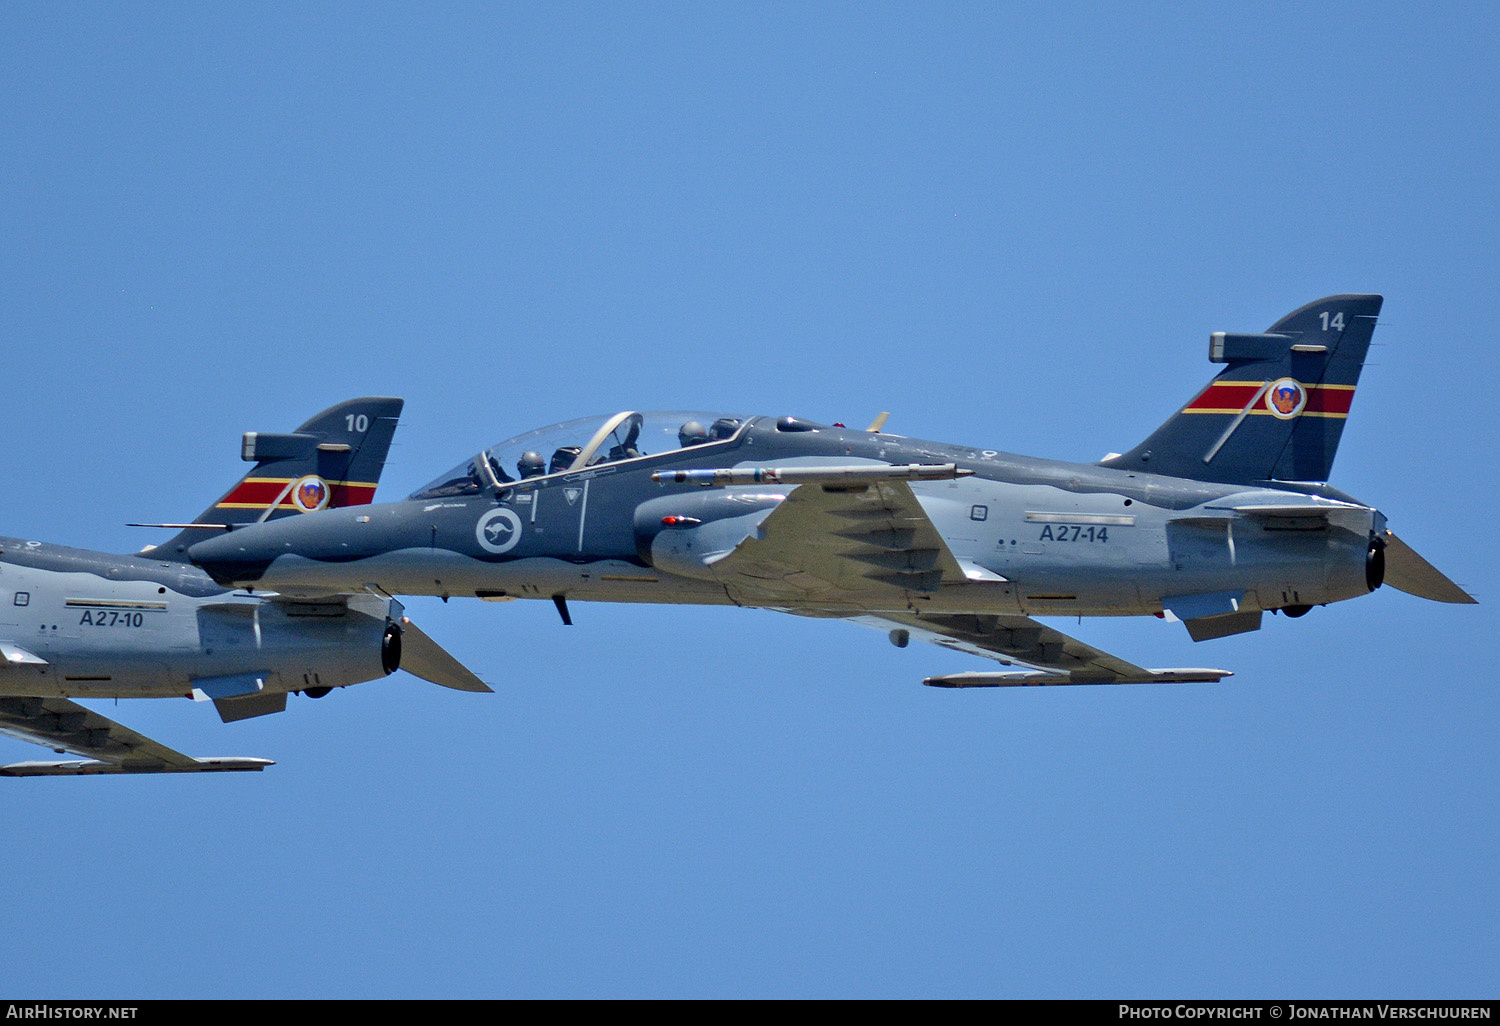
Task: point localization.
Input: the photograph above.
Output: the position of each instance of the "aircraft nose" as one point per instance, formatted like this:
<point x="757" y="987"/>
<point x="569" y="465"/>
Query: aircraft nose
<point x="236" y="558"/>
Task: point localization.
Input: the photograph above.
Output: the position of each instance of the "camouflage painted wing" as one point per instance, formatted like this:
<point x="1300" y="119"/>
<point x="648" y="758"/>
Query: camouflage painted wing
<point x="841" y="546"/>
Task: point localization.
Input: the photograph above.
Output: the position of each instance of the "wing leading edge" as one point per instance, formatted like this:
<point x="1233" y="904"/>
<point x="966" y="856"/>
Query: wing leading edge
<point x="63" y="724"/>
<point x="1054" y="657"/>
<point x="842" y="543"/>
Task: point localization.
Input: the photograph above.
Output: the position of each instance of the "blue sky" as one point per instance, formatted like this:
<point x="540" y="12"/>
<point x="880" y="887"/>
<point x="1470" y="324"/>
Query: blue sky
<point x="1012" y="226"/>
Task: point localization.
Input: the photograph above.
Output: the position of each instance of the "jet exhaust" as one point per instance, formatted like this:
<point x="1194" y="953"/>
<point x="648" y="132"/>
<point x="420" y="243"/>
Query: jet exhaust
<point x="1375" y="564"/>
<point x="390" y="649"/>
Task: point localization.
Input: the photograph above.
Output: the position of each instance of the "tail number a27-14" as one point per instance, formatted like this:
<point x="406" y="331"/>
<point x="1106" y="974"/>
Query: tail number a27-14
<point x="1074" y="533"/>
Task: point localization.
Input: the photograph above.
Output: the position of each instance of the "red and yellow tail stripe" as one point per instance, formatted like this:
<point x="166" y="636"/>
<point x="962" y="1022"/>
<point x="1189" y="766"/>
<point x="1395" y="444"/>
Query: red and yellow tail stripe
<point x="260" y="492"/>
<point x="1232" y="397"/>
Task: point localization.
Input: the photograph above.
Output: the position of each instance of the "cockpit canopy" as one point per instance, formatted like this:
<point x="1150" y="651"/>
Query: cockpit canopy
<point x="576" y="444"/>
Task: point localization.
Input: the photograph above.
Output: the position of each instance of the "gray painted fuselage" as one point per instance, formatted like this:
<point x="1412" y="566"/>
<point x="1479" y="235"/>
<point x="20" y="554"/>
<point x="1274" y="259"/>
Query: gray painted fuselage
<point x="112" y="626"/>
<point x="1036" y="537"/>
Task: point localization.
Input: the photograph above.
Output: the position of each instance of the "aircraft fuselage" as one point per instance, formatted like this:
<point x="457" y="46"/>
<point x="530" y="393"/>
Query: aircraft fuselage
<point x="1035" y="537"/>
<point x="89" y="624"/>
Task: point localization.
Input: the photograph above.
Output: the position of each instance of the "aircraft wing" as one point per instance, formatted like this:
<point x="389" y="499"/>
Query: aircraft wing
<point x="1055" y="658"/>
<point x="63" y="724"/>
<point x="842" y="543"/>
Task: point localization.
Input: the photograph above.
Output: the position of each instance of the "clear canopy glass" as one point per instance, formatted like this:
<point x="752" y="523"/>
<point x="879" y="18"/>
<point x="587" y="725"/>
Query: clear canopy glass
<point x="577" y="444"/>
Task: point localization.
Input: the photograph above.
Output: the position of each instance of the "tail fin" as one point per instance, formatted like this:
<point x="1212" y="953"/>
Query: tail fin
<point x="1277" y="410"/>
<point x="335" y="459"/>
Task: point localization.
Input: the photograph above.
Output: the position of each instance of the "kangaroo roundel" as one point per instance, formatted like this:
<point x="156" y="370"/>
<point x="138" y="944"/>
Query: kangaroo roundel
<point x="498" y="531"/>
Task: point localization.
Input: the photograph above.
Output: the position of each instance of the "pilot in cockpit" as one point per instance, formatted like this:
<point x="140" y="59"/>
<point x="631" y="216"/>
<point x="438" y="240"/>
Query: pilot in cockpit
<point x="692" y="433"/>
<point x="496" y="469"/>
<point x="531" y="464"/>
<point x="628" y="449"/>
<point x="723" y="428"/>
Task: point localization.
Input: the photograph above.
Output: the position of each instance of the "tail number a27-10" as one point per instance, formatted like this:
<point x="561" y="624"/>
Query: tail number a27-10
<point x="111" y="618"/>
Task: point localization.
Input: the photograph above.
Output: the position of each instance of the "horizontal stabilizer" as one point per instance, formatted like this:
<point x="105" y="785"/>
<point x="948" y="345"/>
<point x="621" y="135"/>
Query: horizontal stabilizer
<point x="1406" y="571"/>
<point x="91" y="768"/>
<point x="1184" y="675"/>
<point x="425" y="658"/>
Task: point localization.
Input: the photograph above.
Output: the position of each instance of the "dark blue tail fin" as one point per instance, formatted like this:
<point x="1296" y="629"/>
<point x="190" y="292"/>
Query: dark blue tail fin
<point x="335" y="459"/>
<point x="1277" y="410"/>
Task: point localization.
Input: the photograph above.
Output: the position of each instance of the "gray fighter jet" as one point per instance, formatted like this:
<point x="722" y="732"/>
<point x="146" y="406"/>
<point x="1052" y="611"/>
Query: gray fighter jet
<point x="82" y="624"/>
<point x="1222" y="514"/>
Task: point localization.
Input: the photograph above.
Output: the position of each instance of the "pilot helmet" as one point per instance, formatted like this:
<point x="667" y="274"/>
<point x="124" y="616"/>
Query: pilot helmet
<point x="531" y="464"/>
<point x="563" y="458"/>
<point x="723" y="428"/>
<point x="692" y="433"/>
